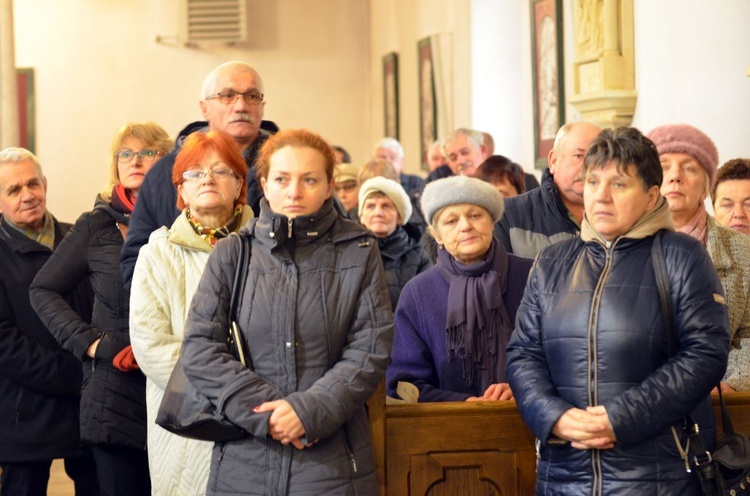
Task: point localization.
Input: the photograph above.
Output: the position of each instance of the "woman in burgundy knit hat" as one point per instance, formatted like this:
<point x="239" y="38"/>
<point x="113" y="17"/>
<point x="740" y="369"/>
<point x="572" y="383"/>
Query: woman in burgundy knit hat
<point x="689" y="160"/>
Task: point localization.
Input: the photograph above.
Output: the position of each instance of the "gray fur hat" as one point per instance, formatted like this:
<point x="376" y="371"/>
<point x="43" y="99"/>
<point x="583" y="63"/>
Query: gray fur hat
<point x="461" y="189"/>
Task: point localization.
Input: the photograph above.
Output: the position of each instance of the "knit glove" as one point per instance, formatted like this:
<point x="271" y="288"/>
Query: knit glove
<point x="125" y="360"/>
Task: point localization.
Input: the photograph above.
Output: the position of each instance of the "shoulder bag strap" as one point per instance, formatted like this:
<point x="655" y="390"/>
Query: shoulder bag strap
<point x="240" y="277"/>
<point x="665" y="296"/>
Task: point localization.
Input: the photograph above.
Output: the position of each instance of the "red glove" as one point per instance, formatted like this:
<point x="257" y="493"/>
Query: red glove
<point x="125" y="360"/>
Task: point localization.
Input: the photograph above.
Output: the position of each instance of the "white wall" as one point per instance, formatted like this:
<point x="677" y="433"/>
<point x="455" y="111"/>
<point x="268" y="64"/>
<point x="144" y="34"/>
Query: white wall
<point x="691" y="57"/>
<point x="97" y="66"/>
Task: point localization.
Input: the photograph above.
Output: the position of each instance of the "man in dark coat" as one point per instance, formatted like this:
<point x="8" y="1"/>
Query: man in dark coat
<point x="552" y="212"/>
<point x="40" y="382"/>
<point x="232" y="101"/>
<point x="390" y="149"/>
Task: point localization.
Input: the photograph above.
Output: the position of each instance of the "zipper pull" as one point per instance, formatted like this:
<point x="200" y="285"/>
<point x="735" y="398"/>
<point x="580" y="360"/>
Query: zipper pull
<point x="354" y="463"/>
<point x="290" y="228"/>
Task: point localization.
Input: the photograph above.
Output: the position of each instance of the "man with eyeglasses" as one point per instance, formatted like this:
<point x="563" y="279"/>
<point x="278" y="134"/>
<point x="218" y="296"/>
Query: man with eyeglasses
<point x="231" y="101"/>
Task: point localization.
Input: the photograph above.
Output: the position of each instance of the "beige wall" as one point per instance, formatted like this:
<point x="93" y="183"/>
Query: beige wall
<point x="97" y="66"/>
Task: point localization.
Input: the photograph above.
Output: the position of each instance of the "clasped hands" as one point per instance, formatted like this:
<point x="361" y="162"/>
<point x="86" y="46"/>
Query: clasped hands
<point x="586" y="429"/>
<point x="284" y="425"/>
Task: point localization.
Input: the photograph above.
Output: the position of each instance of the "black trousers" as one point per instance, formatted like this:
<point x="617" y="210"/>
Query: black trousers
<point x="122" y="471"/>
<point x="31" y="478"/>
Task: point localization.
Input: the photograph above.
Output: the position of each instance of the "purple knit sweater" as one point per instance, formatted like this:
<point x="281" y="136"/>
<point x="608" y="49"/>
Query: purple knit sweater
<point x="419" y="352"/>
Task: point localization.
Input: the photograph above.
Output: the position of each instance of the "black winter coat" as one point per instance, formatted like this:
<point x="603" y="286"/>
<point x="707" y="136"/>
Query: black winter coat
<point x="589" y="332"/>
<point x="40" y="382"/>
<point x="113" y="405"/>
<point x="318" y="327"/>
<point x="403" y="258"/>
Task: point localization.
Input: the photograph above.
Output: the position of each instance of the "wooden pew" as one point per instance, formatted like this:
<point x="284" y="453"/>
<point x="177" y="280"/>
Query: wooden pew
<point x="468" y="448"/>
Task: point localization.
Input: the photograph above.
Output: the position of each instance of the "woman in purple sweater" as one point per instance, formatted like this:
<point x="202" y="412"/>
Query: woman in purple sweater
<point x="454" y="320"/>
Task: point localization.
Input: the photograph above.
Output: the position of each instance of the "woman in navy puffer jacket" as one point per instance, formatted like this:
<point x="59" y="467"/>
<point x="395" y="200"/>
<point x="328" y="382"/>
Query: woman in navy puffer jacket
<point x="588" y="362"/>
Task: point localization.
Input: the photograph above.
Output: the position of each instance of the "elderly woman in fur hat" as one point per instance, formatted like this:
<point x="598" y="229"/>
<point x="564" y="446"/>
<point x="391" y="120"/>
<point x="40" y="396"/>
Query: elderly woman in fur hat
<point x="385" y="209"/>
<point x="689" y="161"/>
<point x="454" y="320"/>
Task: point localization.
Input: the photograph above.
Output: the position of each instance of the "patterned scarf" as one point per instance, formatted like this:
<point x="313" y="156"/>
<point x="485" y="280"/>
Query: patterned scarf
<point x="478" y="326"/>
<point x="696" y="226"/>
<point x="122" y="200"/>
<point x="213" y="234"/>
<point x="46" y="236"/>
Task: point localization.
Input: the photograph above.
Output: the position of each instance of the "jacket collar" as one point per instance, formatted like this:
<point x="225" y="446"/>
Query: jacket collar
<point x="395" y="245"/>
<point x="23" y="244"/>
<point x="550" y="190"/>
<point x="273" y="230"/>
<point x="182" y="233"/>
<point x="649" y="224"/>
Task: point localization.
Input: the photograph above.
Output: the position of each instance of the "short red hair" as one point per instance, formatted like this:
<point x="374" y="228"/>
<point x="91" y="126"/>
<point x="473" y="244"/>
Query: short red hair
<point x="296" y="138"/>
<point x="197" y="146"/>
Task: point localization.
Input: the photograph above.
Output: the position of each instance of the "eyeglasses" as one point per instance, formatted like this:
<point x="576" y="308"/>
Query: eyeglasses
<point x="199" y="174"/>
<point x="251" y="97"/>
<point x="144" y="155"/>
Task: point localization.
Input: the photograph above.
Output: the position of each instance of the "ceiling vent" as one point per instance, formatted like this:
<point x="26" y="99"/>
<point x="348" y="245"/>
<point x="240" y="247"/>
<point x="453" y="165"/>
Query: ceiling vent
<point x="210" y="22"/>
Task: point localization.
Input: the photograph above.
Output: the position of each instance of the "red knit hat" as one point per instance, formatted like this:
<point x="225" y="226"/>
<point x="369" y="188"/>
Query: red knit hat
<point x="683" y="138"/>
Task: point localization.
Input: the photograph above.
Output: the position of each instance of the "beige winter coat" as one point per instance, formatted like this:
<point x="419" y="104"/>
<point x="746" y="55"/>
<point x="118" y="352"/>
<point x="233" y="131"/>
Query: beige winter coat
<point x="166" y="275"/>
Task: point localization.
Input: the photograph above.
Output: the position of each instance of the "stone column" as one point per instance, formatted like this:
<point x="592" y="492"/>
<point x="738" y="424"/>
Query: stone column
<point x="9" y="132"/>
<point x="604" y="70"/>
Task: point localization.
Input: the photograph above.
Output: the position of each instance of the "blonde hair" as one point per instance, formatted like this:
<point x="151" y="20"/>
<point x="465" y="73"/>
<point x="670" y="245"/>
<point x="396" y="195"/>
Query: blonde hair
<point x="152" y="134"/>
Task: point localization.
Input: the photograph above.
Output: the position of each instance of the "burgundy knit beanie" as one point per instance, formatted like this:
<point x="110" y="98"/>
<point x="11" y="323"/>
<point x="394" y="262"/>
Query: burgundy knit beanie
<point x="683" y="138"/>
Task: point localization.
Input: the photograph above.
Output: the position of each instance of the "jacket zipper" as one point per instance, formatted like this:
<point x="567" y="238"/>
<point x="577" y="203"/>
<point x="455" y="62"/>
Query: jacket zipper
<point x="289" y="222"/>
<point x="593" y="395"/>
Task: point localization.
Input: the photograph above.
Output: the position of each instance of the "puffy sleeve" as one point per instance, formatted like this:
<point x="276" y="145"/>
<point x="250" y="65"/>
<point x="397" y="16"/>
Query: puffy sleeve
<point x="65" y="269"/>
<point x="207" y="361"/>
<point x="334" y="398"/>
<point x="680" y="384"/>
<point x="152" y="336"/>
<point x="527" y="366"/>
<point x="413" y="360"/>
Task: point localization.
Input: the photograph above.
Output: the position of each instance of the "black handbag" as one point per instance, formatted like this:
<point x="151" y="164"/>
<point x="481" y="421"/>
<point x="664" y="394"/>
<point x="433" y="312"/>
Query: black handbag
<point x="184" y="410"/>
<point x="726" y="471"/>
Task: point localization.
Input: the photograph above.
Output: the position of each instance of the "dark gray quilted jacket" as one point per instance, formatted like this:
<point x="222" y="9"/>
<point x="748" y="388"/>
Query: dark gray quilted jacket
<point x="318" y="327"/>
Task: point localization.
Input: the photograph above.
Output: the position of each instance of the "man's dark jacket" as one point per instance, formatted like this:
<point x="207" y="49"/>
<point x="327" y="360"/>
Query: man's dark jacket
<point x="535" y="220"/>
<point x="157" y="196"/>
<point x="39" y="381"/>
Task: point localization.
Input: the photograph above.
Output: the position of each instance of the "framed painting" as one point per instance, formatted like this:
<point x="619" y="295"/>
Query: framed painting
<point x="547" y="75"/>
<point x="390" y="94"/>
<point x="26" y="109"/>
<point x="427" y="99"/>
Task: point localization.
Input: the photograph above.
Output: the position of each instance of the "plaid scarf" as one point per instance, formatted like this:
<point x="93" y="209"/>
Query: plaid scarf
<point x="213" y="234"/>
<point x="46" y="236"/>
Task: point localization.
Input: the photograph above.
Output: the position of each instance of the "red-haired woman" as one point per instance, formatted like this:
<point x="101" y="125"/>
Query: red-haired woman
<point x="317" y="321"/>
<point x="113" y="410"/>
<point x="210" y="176"/>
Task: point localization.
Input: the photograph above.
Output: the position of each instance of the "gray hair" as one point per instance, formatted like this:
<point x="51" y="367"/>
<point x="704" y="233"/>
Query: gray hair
<point x="475" y="138"/>
<point x="15" y="155"/>
<point x="391" y="144"/>
<point x="210" y="81"/>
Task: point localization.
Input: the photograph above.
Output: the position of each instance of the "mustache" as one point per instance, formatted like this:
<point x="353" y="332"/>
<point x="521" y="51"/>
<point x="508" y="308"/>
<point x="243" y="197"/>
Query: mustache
<point x="242" y="117"/>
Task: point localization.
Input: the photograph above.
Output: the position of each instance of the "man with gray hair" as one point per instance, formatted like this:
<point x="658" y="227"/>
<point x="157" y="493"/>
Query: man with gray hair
<point x="554" y="211"/>
<point x="231" y="101"/>
<point x="40" y="382"/>
<point x="390" y="149"/>
<point x="464" y="150"/>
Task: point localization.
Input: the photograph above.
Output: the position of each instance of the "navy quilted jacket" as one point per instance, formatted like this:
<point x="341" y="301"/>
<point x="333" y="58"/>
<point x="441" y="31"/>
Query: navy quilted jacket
<point x="590" y="331"/>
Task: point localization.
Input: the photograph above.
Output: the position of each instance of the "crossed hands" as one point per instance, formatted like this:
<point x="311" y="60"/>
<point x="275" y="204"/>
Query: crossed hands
<point x="284" y="425"/>
<point x="496" y="392"/>
<point x="586" y="429"/>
